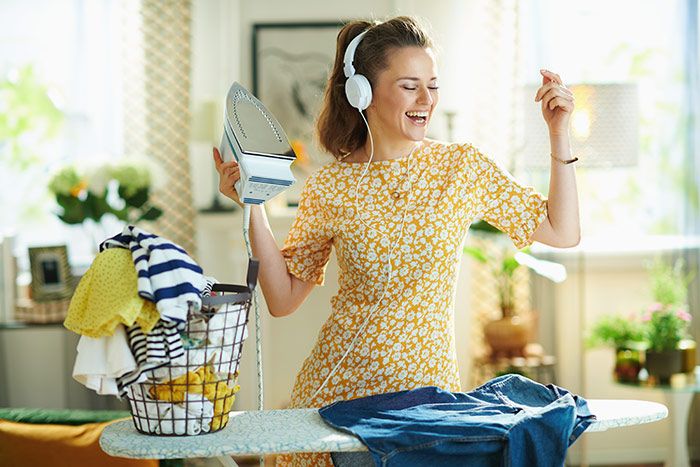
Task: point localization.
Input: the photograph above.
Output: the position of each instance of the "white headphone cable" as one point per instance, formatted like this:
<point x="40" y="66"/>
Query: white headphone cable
<point x="389" y="265"/>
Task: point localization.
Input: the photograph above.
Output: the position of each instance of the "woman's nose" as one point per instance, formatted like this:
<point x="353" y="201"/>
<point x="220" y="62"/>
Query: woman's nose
<point x="425" y="97"/>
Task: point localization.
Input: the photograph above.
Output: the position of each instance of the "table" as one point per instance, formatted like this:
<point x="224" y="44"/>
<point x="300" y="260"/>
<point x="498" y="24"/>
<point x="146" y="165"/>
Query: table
<point x="254" y="433"/>
<point x="678" y="395"/>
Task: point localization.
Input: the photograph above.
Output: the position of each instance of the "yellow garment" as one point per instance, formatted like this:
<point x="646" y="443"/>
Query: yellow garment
<point x="202" y="381"/>
<point x="409" y="340"/>
<point x="30" y="445"/>
<point x="107" y="295"/>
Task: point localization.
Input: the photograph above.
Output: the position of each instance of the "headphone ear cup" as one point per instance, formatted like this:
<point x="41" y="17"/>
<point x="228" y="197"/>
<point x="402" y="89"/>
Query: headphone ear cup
<point x="358" y="91"/>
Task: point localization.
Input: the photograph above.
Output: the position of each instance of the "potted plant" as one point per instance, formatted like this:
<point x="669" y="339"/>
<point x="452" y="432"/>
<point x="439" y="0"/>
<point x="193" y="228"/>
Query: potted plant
<point x="121" y="189"/>
<point x="508" y="335"/>
<point x="666" y="322"/>
<point x="626" y="335"/>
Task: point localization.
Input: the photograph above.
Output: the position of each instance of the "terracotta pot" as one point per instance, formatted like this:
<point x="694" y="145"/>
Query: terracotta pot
<point x="507" y="336"/>
<point x="663" y="364"/>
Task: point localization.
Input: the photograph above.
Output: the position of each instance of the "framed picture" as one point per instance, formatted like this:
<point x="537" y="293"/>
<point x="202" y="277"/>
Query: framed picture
<point x="8" y="278"/>
<point x="51" y="274"/>
<point x="291" y="64"/>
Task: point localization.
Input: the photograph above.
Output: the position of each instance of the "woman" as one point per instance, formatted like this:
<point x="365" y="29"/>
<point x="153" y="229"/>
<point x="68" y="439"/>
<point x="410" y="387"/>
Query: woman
<point x="397" y="207"/>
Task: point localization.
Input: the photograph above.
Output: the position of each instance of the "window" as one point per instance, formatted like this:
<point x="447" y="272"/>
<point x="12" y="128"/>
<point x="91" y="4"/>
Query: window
<point x="73" y="48"/>
<point x="616" y="42"/>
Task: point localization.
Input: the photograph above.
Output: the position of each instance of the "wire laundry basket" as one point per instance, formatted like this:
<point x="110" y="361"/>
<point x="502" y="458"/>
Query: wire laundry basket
<point x="194" y="393"/>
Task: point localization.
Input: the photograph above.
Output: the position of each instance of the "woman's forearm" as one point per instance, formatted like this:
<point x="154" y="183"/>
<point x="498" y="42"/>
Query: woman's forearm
<point x="273" y="276"/>
<point x="562" y="204"/>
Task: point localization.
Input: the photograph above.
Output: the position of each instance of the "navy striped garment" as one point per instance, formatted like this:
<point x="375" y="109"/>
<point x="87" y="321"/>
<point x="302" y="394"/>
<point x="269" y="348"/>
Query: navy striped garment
<point x="153" y="350"/>
<point x="167" y="275"/>
<point x="161" y="347"/>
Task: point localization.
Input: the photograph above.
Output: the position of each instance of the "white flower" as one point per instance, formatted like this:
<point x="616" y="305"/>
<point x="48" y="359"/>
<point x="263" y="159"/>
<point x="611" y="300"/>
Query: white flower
<point x="98" y="177"/>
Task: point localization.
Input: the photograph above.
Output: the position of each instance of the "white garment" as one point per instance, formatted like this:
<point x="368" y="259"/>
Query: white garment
<point x="167" y="418"/>
<point x="100" y="361"/>
<point x="227" y="328"/>
<point x="193" y="358"/>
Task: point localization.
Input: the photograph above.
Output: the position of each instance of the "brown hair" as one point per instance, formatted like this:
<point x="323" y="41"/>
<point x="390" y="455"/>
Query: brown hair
<point x="341" y="129"/>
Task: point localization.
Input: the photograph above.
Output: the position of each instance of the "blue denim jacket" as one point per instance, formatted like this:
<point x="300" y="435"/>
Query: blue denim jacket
<point x="509" y="421"/>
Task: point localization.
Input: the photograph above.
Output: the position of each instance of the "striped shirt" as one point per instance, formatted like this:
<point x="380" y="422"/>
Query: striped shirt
<point x="167" y="275"/>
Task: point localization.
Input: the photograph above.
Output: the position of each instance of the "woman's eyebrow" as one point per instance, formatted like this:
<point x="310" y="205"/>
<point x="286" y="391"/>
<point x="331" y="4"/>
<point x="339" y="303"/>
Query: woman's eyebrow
<point x="411" y="78"/>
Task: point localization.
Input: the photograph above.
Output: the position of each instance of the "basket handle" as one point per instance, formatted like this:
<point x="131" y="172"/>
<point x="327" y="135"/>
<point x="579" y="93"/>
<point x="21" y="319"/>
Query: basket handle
<point x="252" y="278"/>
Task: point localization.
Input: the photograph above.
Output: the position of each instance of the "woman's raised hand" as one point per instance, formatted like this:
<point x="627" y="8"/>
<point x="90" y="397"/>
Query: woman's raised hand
<point x="229" y="174"/>
<point x="557" y="102"/>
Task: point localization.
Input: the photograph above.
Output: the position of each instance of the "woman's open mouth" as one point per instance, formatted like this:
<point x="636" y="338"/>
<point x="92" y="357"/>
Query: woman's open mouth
<point x="418" y="118"/>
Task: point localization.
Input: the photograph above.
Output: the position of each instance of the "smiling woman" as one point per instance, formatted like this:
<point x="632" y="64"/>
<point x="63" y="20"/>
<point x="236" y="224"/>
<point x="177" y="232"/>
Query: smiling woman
<point x="396" y="207"/>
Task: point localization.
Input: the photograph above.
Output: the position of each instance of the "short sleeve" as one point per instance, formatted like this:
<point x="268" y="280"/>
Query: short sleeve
<point x="513" y="208"/>
<point x="307" y="247"/>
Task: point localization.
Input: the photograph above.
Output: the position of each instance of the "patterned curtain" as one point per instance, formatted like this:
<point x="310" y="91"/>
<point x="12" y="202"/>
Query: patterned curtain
<point x="156" y="106"/>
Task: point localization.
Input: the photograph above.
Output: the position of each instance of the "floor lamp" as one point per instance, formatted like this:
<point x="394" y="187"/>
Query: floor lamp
<point x="604" y="134"/>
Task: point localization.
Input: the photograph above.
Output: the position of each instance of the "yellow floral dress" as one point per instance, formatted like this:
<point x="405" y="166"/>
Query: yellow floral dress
<point x="409" y="341"/>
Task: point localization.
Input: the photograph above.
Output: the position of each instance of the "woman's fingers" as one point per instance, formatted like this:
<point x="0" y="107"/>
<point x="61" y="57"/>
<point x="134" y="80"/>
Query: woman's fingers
<point x="559" y="101"/>
<point x="554" y="93"/>
<point x="219" y="162"/>
<point x="552" y="86"/>
<point x="552" y="76"/>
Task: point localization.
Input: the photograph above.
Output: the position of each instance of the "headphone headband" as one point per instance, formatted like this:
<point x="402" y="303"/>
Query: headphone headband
<point x="348" y="69"/>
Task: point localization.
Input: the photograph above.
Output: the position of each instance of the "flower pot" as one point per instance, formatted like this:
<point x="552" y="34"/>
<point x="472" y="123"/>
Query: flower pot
<point x="507" y="336"/>
<point x="627" y="364"/>
<point x="662" y="364"/>
<point x="688" y="347"/>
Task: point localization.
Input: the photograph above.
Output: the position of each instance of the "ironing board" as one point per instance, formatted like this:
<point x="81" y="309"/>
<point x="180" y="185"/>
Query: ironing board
<point x="254" y="433"/>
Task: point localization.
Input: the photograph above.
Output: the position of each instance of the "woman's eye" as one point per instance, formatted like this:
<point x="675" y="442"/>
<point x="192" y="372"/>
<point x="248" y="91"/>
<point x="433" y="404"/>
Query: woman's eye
<point x="434" y="88"/>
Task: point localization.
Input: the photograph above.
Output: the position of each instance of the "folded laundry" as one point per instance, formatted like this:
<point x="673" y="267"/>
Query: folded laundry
<point x="167" y="275"/>
<point x="192" y="417"/>
<point x="226" y="329"/>
<point x="154" y="350"/>
<point x="100" y="361"/>
<point x="202" y="381"/>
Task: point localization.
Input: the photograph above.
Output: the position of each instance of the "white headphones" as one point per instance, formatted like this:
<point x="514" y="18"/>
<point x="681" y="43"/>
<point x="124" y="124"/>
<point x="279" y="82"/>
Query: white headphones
<point x="357" y="88"/>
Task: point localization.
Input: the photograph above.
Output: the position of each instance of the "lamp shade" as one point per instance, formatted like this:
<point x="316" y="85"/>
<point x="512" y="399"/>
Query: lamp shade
<point x="604" y="127"/>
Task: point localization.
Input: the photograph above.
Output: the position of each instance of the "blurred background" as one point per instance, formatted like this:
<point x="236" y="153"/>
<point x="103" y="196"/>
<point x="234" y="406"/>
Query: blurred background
<point x="101" y="96"/>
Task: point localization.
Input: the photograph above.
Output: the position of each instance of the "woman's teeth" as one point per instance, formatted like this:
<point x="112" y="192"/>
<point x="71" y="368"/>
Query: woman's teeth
<point x="417" y="117"/>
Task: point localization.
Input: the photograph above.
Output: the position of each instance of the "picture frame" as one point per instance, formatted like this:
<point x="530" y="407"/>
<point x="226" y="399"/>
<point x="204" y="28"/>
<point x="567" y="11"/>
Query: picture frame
<point x="8" y="277"/>
<point x="51" y="273"/>
<point x="291" y="63"/>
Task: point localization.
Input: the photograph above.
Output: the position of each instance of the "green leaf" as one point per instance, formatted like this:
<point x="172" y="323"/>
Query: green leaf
<point x="476" y="253"/>
<point x="152" y="214"/>
<point x="96" y="206"/>
<point x="136" y="199"/>
<point x="73" y="209"/>
<point x="509" y="265"/>
<point x="483" y="226"/>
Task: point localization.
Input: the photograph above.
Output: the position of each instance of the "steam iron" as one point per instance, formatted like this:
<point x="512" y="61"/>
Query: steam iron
<point x="255" y="139"/>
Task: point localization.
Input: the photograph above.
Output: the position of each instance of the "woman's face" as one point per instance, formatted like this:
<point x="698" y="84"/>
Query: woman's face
<point x="405" y="94"/>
